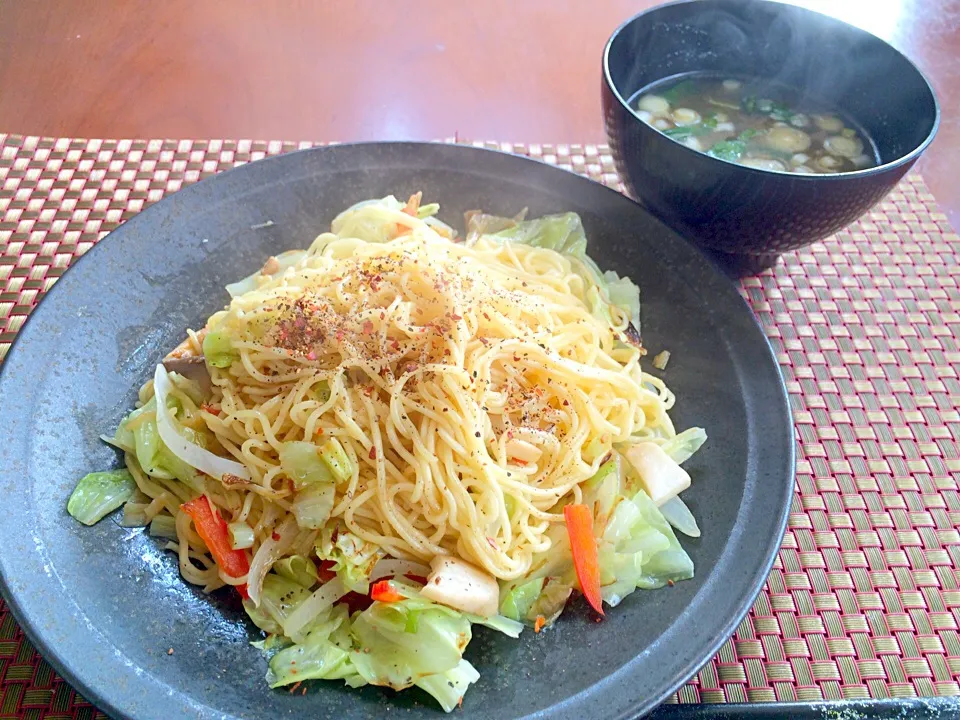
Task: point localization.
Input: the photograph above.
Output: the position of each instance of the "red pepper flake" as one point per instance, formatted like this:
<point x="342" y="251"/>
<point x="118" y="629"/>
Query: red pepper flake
<point x="276" y="536"/>
<point x="293" y="688"/>
<point x="318" y="431"/>
<point x="492" y="543"/>
<point x="539" y="623"/>
<point x="671" y="583"/>
<point x="373" y="452"/>
<point x="486" y="316"/>
<point x="367" y="327"/>
<point x="456" y="318"/>
<point x="311" y="355"/>
<point x="339" y="335"/>
<point x="212" y="409"/>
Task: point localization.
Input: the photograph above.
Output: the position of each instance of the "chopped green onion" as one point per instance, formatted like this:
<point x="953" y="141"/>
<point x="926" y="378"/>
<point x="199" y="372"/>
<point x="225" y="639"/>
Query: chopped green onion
<point x="100" y="493"/>
<point x="674" y="93"/>
<point x="728" y="150"/>
<point x="241" y="535"/>
<point x="679" y="133"/>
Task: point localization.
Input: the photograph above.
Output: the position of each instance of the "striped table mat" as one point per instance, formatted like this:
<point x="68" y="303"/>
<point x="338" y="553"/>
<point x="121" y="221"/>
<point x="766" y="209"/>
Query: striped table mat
<point x="864" y="599"/>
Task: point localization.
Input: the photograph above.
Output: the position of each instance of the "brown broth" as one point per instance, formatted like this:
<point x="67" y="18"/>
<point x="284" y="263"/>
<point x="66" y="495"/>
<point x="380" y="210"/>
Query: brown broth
<point x="755" y="122"/>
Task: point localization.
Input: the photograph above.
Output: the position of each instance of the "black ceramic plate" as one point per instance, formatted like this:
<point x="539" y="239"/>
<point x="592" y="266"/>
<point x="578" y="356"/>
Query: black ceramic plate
<point x="105" y="604"/>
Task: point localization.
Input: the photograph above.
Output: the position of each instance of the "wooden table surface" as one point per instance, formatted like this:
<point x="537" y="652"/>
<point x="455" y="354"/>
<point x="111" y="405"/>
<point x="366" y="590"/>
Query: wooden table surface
<point x="512" y="70"/>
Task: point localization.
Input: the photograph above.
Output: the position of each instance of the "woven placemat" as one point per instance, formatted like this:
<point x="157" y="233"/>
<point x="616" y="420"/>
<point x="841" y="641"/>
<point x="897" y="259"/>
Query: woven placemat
<point x="864" y="599"/>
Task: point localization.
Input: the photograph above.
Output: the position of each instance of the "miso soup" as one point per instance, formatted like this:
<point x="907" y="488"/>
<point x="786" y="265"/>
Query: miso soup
<point x="755" y="122"/>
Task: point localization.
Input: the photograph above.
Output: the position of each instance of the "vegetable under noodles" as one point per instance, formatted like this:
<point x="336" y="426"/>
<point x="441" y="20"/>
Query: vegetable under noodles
<point x="392" y="440"/>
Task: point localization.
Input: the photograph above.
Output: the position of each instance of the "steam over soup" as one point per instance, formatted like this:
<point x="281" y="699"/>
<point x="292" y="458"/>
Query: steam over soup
<point x="756" y="123"/>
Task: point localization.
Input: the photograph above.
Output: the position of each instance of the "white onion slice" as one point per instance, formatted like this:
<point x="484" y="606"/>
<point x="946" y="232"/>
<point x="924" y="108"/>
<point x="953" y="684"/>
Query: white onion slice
<point x="322" y="598"/>
<point x="391" y="567"/>
<point x="193" y="455"/>
<point x="676" y="512"/>
<point x="272" y="549"/>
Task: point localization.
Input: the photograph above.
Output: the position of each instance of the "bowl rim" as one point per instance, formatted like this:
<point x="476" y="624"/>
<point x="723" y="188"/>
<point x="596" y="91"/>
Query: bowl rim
<point x="906" y="159"/>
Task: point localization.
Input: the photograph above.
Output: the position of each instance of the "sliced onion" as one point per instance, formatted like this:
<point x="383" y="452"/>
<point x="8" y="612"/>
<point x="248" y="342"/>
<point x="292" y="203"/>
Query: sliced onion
<point x="322" y="598"/>
<point x="676" y="512"/>
<point x="272" y="549"/>
<point x="193" y="455"/>
<point x="391" y="567"/>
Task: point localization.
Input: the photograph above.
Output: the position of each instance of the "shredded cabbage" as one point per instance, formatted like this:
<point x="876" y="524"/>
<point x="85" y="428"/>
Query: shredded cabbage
<point x="324" y="653"/>
<point x="252" y="282"/>
<point x="392" y="655"/>
<point x="676" y="512"/>
<point x="517" y="603"/>
<point x="241" y="535"/>
<point x="684" y="445"/>
<point x="639" y="550"/>
<point x="99" y="494"/>
<point x="298" y="568"/>
<point x="353" y="559"/>
<point x="218" y="349"/>
<point x="449" y="687"/>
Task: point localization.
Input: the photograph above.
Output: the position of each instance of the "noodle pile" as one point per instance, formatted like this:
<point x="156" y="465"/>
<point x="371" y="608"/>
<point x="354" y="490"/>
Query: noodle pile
<point x="469" y="385"/>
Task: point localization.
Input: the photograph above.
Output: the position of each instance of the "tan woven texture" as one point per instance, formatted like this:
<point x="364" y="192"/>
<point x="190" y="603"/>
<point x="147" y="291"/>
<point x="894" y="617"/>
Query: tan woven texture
<point x="864" y="600"/>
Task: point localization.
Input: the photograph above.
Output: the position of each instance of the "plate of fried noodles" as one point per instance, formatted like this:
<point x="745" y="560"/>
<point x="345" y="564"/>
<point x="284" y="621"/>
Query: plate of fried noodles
<point x="387" y="427"/>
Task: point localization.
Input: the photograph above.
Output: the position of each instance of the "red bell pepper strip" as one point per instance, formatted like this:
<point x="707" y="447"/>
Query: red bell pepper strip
<point x="583" y="546"/>
<point x="212" y="529"/>
<point x="383" y="592"/>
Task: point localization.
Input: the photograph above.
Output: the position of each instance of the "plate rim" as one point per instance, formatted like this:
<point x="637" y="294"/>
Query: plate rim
<point x="103" y="699"/>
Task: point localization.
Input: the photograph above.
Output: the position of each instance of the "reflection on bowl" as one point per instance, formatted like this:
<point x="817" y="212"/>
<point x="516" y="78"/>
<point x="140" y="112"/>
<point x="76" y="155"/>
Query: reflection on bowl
<point x="746" y="215"/>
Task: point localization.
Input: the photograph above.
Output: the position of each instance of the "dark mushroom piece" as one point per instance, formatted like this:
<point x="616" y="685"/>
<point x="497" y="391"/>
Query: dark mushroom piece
<point x="193" y="368"/>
